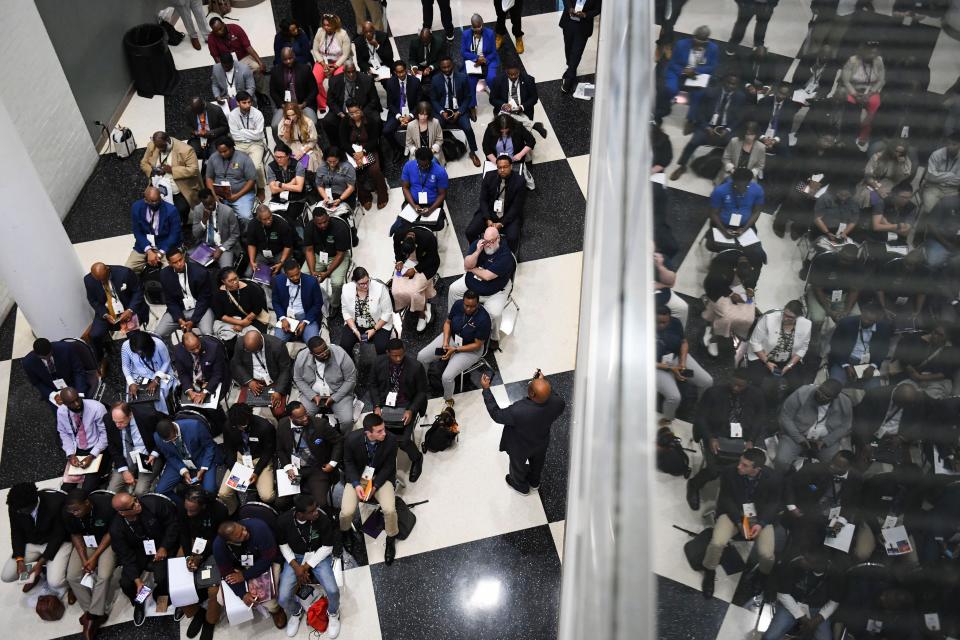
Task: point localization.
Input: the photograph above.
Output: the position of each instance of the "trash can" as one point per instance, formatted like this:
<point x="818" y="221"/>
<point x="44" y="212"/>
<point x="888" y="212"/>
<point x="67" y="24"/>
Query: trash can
<point x="151" y="63"/>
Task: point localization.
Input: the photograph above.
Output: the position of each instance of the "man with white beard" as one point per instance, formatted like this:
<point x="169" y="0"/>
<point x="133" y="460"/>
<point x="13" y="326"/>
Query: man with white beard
<point x="489" y="268"/>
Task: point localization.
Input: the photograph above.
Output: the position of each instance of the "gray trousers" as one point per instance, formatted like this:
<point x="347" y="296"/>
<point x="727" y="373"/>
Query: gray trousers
<point x="342" y="411"/>
<point x="667" y="386"/>
<point x="194" y="18"/>
<point x="141" y="486"/>
<point x="168" y="325"/>
<point x="94" y="601"/>
<point x="457" y="363"/>
<point x="788" y="451"/>
<point x="56" y="568"/>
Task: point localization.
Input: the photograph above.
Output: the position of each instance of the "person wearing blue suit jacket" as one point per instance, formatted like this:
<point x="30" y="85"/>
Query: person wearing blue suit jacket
<point x="187" y="292"/>
<point x="156" y="230"/>
<point x="515" y="93"/>
<point x="297" y="297"/>
<point x="691" y="57"/>
<point x="403" y="94"/>
<point x="114" y="293"/>
<point x="51" y="366"/>
<point x="478" y="44"/>
<point x="452" y="99"/>
<point x="863" y="339"/>
<point x="719" y="113"/>
<point x="189" y="455"/>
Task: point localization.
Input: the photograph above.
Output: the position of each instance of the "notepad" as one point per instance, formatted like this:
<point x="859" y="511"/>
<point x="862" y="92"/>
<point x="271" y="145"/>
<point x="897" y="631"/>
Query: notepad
<point x="211" y="401"/>
<point x="844" y="537"/>
<point x="895" y="541"/>
<point x="472" y="68"/>
<point x="719" y="237"/>
<point x="408" y="214"/>
<point x="93" y="467"/>
<point x="284" y="486"/>
<point x="239" y="478"/>
<point x="183" y="591"/>
<point x="701" y="80"/>
<point x="203" y="254"/>
<point x="262" y="274"/>
<point x="748" y="238"/>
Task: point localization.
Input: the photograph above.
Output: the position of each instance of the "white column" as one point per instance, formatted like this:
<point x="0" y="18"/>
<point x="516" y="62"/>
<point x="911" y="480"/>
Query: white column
<point x="38" y="263"/>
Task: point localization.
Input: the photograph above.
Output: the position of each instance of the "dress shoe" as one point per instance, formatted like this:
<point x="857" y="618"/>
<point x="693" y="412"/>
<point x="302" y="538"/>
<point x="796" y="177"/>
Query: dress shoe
<point x="346" y="541"/>
<point x="84" y="617"/>
<point x="196" y="623"/>
<point x="139" y="614"/>
<point x="416" y="469"/>
<point x="499" y="40"/>
<point x="473" y="116"/>
<point x="539" y="128"/>
<point x="449" y="34"/>
<point x="729" y="51"/>
<point x="207" y="632"/>
<point x="95" y="622"/>
<point x="178" y="614"/>
<point x="566" y="86"/>
<point x="88" y="630"/>
<point x="475" y="159"/>
<point x="707" y="586"/>
<point x="196" y="43"/>
<point x="515" y="486"/>
<point x="679" y="171"/>
<point x="693" y="497"/>
<point x="71" y="598"/>
<point x="279" y="618"/>
<point x="519" y="44"/>
<point x="391" y="551"/>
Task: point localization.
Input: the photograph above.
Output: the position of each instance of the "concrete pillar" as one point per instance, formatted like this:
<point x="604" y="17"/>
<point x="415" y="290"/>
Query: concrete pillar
<point x="38" y="263"/>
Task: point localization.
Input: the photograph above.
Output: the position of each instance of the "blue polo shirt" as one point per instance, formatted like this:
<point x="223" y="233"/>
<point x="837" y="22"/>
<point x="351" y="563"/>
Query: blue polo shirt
<point x="500" y="262"/>
<point x="470" y="328"/>
<point x="728" y="201"/>
<point x="430" y="181"/>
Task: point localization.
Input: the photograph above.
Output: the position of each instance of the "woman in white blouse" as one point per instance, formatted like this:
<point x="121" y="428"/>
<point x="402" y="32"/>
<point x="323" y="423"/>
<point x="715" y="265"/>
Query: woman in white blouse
<point x="779" y="341"/>
<point x="367" y="312"/>
<point x="331" y="50"/>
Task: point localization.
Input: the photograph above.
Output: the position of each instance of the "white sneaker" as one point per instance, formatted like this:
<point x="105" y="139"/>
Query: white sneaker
<point x="713" y="349"/>
<point x="708" y="336"/>
<point x="293" y="624"/>
<point x="421" y="324"/>
<point x="333" y="625"/>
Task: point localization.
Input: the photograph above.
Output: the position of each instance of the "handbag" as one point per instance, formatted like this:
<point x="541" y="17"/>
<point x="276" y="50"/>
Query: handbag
<point x="263" y="317"/>
<point x="317" y="616"/>
<point x="49" y="608"/>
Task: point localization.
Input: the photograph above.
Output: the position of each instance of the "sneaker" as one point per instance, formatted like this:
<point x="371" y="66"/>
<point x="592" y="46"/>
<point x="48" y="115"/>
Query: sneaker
<point x="566" y="86"/>
<point x="708" y="583"/>
<point x="449" y="34"/>
<point x="196" y="623"/>
<point x="729" y="51"/>
<point x="519" y="44"/>
<point x="139" y="614"/>
<point x="293" y="623"/>
<point x="333" y="624"/>
<point x="707" y="336"/>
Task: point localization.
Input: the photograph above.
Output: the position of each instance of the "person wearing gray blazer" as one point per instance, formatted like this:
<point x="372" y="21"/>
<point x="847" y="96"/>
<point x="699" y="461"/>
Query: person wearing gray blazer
<point x="223" y="235"/>
<point x="339" y="379"/>
<point x="818" y="419"/>
<point x="242" y="80"/>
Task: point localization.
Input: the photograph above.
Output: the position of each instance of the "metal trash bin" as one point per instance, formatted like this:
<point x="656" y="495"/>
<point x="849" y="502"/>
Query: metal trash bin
<point x="150" y="61"/>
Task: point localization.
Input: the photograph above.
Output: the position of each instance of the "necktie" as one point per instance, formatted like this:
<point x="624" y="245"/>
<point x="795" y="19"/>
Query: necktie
<point x="128" y="441"/>
<point x="449" y="92"/>
<point x="51" y="366"/>
<point x="514" y="92"/>
<point x="722" y="108"/>
<point x="81" y="432"/>
<point x="210" y="232"/>
<point x="403" y="94"/>
<point x="110" y="309"/>
<point x="182" y="449"/>
<point x="197" y="371"/>
<point x="775" y="118"/>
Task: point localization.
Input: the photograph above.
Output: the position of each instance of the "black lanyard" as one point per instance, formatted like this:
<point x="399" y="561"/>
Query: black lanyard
<point x="245" y="120"/>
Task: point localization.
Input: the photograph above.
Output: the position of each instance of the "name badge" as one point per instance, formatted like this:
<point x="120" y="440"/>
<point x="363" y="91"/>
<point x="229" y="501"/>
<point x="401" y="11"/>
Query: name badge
<point x="199" y="545"/>
<point x="286" y="96"/>
<point x="59" y="383"/>
<point x="736" y="431"/>
<point x="295" y="461"/>
<point x="457" y="341"/>
<point x="713" y="120"/>
<point x="421" y="197"/>
<point x="90" y="542"/>
<point x="246" y="560"/>
<point x="247" y="460"/>
<point x="735" y="219"/>
<point x="874" y="626"/>
<point x="189" y="465"/>
<point x="498" y="206"/>
<point x="323" y="257"/>
<point x="932" y="620"/>
<point x="749" y="510"/>
<point x="889" y="522"/>
<point x="901" y="300"/>
<point x="391" y="399"/>
<point x="905" y="132"/>
<point x="254" y="439"/>
<point x="769" y="133"/>
<point x="836" y="295"/>
<point x="368" y="472"/>
<point x="267" y="254"/>
<point x="865" y="358"/>
<point x="150" y="547"/>
<point x="891" y="236"/>
<point x="834" y="513"/>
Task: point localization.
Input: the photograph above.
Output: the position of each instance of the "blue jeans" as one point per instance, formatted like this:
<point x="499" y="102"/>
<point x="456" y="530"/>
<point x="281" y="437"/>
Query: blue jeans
<point x="312" y="329"/>
<point x="837" y="373"/>
<point x="243" y="207"/>
<point x="937" y="254"/>
<point x="323" y="572"/>
<point x="783" y="621"/>
<point x="170" y="478"/>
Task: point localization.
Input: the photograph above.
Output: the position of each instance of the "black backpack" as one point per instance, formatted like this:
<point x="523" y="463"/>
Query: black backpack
<point x="453" y="149"/>
<point x="442" y="433"/>
<point x="708" y="166"/>
<point x="671" y="457"/>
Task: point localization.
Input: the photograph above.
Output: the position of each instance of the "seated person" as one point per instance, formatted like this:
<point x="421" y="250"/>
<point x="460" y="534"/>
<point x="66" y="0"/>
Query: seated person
<point x="143" y="535"/>
<point x="215" y="224"/>
<point x="83" y="437"/>
<point x="246" y="130"/>
<point x="675" y="364"/>
<point x="730" y="310"/>
<point x="778" y="343"/>
<point x="462" y="342"/>
<point x="942" y="177"/>
<point x="743" y="151"/>
<point x="299" y="303"/>
<point x="729" y="419"/>
<point x="902" y="285"/>
<point x="835" y="217"/>
<point x="424" y="184"/>
<point x="816" y="73"/>
<point x="505" y="137"/>
<point x="245" y="551"/>
<point x="373" y="49"/>
<point x="36" y="536"/>
<point x="336" y="183"/>
<point x="359" y="134"/>
<point x="399" y="383"/>
<point x="308" y="451"/>
<point x="760" y="71"/>
<point x="130" y="439"/>
<point x="775" y="114"/>
<point x="172" y="164"/>
<point x="251" y="441"/>
<point x="929" y="360"/>
<point x="403" y="94"/>
<point x="116" y="297"/>
<point x="298" y="132"/>
<point x="734" y="210"/>
<point x="418" y="260"/>
<point x="233" y="177"/>
<point x="326" y="244"/>
<point x="271" y="240"/>
<point x="367" y="312"/>
<point x="226" y="81"/>
<point x="186" y="290"/>
<point x="717" y="114"/>
<point x="425" y="131"/>
<point x="208" y="122"/>
<point x="200" y="364"/>
<point x="233" y="39"/>
<point x="156" y="230"/>
<point x="893" y="218"/>
<point x="941" y="246"/>
<point x="515" y="93"/>
<point x="326" y="378"/>
<point x="87" y="520"/>
<point x="285" y="181"/>
<point x="372" y="448"/>
<point x="146" y="363"/>
<point x="833" y="285"/>
<point x="690" y="58"/>
<point x="808" y="593"/>
<point x="292" y="81"/>
<point x="886" y="420"/>
<point x="306" y="537"/>
<point x="237" y="306"/>
<point x="452" y="99"/>
<point x="199" y="516"/>
<point x="189" y="454"/>
<point x="752" y="491"/>
<point x="52" y="366"/>
<point x="663" y="279"/>
<point x="816" y="422"/>
<point x="884" y="170"/>
<point x="478" y="45"/>
<point x="872" y="604"/>
<point x="350" y="86"/>
<point x="490" y="267"/>
<point x="262" y="364"/>
<point x="860" y="340"/>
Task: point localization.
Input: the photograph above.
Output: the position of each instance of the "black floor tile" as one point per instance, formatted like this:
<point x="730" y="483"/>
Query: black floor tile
<point x="570" y="117"/>
<point x="6" y="334"/>
<point x="505" y="587"/>
<point x="102" y="210"/>
<point x="154" y="628"/>
<point x="683" y="614"/>
<point x="535" y="7"/>
<point x="553" y="484"/>
<point x="193" y="83"/>
<point x="686" y="214"/>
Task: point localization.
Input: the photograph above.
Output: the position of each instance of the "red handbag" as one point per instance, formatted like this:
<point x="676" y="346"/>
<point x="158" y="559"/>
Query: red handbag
<point x="317" y="616"/>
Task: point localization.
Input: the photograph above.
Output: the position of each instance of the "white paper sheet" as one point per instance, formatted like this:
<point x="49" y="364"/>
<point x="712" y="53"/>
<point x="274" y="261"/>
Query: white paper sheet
<point x="182" y="589"/>
<point x="237" y="611"/>
<point x="722" y="239"/>
<point x="843" y="539"/>
<point x="701" y="80"/>
<point x="284" y="486"/>
<point x="748" y="238"/>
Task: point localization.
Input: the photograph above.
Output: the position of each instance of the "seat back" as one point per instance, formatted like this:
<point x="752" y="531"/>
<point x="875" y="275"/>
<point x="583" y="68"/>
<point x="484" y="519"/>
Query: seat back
<point x="260" y="511"/>
<point x="88" y="359"/>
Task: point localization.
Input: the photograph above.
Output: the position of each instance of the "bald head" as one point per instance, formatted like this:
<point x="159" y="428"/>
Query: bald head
<point x="190" y="340"/>
<point x="368" y="30"/>
<point x="253" y="342"/>
<point x="100" y="271"/>
<point x="491" y="234"/>
<point x="197" y="105"/>
<point x="69" y="395"/>
<point x="287" y="56"/>
<point x="122" y="502"/>
<point x="151" y="195"/>
<point x="539" y="390"/>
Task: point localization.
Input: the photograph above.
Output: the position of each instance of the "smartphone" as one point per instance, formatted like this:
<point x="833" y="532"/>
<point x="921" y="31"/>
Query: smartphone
<point x="363" y="337"/>
<point x="686" y="373"/>
<point x="439" y="351"/>
<point x="142" y="594"/>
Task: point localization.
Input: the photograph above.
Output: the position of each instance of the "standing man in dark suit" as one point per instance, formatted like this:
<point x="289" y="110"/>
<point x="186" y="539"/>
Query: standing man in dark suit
<point x="201" y="366"/>
<point x="762" y="10"/>
<point x="370" y="469"/>
<point x="349" y="86"/>
<point x="187" y="291"/>
<point x="515" y="93"/>
<point x="129" y="437"/>
<point x="189" y="452"/>
<point x="263" y="363"/>
<point x="454" y="103"/>
<point x="309" y="448"/>
<point x="292" y="82"/>
<point x="208" y="122"/>
<point x="526" y="429"/>
<point x="502" y="195"/>
<point x="424" y="57"/>
<point x="115" y="295"/>
<point x="403" y="94"/>
<point x="400" y="382"/>
<point x="373" y="50"/>
<point x="446" y="16"/>
<point x="51" y="367"/>
<point x="577" y="28"/>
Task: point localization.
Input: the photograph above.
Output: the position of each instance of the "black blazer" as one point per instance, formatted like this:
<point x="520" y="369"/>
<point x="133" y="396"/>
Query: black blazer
<point x="766" y="498"/>
<point x="526" y="424"/>
<point x="263" y="442"/>
<point x="329" y="447"/>
<point x="392" y="87"/>
<point x="384" y="50"/>
<point x="428" y="254"/>
<point x="419" y="56"/>
<point x="158" y="521"/>
<point x="67" y="365"/>
<point x="709" y="103"/>
<point x="521" y="138"/>
<point x="199" y="279"/>
<point x="373" y="127"/>
<point x="203" y="525"/>
<point x="591" y="8"/>
<point x="384" y="460"/>
<point x="845" y="338"/>
<point x="806" y="487"/>
<point x="713" y="412"/>
<point x="217" y="124"/>
<point x="145" y="426"/>
<point x="763" y="113"/>
<point x="213" y="363"/>
<point x="365" y="95"/>
<point x="279" y="364"/>
<point x="516" y="195"/>
<point x="304" y="83"/>
<point x="47" y="530"/>
<point x="127" y="286"/>
<point x="871" y="411"/>
<point x="413" y="382"/>
<point x="500" y="93"/>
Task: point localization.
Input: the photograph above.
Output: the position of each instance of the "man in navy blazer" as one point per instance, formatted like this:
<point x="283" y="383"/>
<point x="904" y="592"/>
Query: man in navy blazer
<point x="691" y="57"/>
<point x="515" y="93"/>
<point x="200" y="363"/>
<point x="452" y="99"/>
<point x="188" y="452"/>
<point x="403" y="94"/>
<point x="114" y="293"/>
<point x="54" y="366"/>
<point x="500" y="208"/>
<point x="719" y="113"/>
<point x="775" y="115"/>
<point x="858" y="340"/>
<point x="187" y="308"/>
<point x="156" y="230"/>
<point x="298" y="301"/>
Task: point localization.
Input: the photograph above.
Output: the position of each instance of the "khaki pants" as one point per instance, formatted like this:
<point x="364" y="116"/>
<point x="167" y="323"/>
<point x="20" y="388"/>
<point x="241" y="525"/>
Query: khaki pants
<point x="56" y="568"/>
<point x="141" y="486"/>
<point x="723" y="532"/>
<point x="137" y="261"/>
<point x="360" y="9"/>
<point x="93" y="601"/>
<point x="256" y="151"/>
<point x="385" y="497"/>
<point x="265" y="488"/>
<point x="934" y="193"/>
<point x="259" y="80"/>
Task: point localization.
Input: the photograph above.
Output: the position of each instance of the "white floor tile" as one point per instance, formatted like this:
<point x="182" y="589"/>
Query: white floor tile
<point x="144" y="117"/>
<point x="113" y="250"/>
<point x="557" y="530"/>
<point x="22" y="336"/>
<point x="943" y="63"/>
<point x="779" y="282"/>
<point x="738" y="624"/>
<point x="543" y="57"/>
<point x="580" y="165"/>
<point x="689" y="181"/>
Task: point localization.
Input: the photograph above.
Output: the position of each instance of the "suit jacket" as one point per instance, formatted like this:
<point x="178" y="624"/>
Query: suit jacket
<point x="733" y="495"/>
<point x="48" y="528"/>
<point x="709" y="103"/>
<point x="516" y="195"/>
<point x="500" y="93"/>
<point x="146" y="429"/>
<point x="800" y="410"/>
<point x="413" y="382"/>
<point x="339" y="373"/>
<point x="763" y="114"/>
<point x="680" y="57"/>
<point x="278" y="364"/>
<point x="591" y="8"/>
<point x="199" y="280"/>
<point x="871" y="411"/>
<point x="365" y="95"/>
<point x="217" y="125"/>
<point x="183" y="161"/>
<point x="384" y="460"/>
<point x="392" y="87"/>
<point x="461" y="90"/>
<point x="488" y="47"/>
<point x="159" y="522"/>
<point x="713" y="414"/>
<point x="227" y="225"/>
<point x="324" y="442"/>
<point x="418" y="55"/>
<point x="67" y="365"/>
<point x="384" y="50"/>
<point x="304" y="84"/>
<point x="262" y="438"/>
<point x="168" y="233"/>
<point x="310" y="295"/>
<point x="806" y="487"/>
<point x="521" y="138"/>
<point x="845" y="338"/>
<point x="242" y="80"/>
<point x="213" y="363"/>
<point x="428" y="253"/>
<point x="526" y="424"/>
<point x="198" y="442"/>
<point x="373" y="127"/>
<point x="126" y="284"/>
<point x="434" y="137"/>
